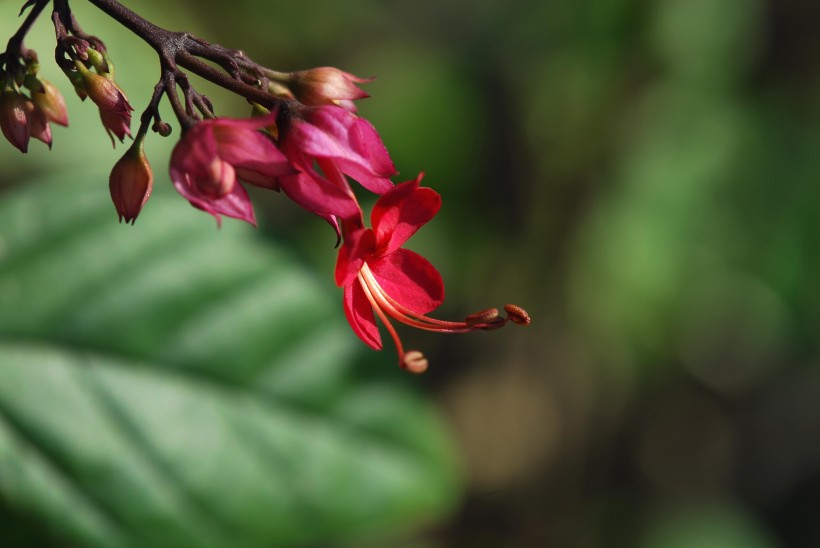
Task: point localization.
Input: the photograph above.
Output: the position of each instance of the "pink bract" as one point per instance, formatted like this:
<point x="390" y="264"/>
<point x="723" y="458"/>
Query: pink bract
<point x="215" y="154"/>
<point x="342" y="144"/>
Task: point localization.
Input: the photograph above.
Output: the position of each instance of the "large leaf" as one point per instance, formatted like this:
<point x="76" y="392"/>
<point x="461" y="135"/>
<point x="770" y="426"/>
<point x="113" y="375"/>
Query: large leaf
<point x="169" y="384"/>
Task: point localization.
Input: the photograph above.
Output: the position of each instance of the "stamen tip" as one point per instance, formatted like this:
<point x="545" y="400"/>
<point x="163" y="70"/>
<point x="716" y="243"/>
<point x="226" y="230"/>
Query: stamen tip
<point x="414" y="362"/>
<point x="488" y="315"/>
<point x="516" y="314"/>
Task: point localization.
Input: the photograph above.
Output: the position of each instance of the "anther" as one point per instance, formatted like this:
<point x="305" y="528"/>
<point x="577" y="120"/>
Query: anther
<point x="482" y="316"/>
<point x="415" y="362"/>
<point x="495" y="323"/>
<point x="516" y="314"/>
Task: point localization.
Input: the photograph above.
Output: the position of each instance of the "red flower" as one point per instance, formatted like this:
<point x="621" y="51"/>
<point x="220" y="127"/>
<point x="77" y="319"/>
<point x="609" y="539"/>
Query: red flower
<point x="341" y="144"/>
<point x="213" y="155"/>
<point x="380" y="276"/>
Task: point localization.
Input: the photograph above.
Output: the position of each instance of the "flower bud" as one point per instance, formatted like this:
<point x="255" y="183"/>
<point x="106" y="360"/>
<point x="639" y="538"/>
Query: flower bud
<point x="77" y="81"/>
<point x="37" y="123"/>
<point x="116" y="124"/>
<point x="100" y="62"/>
<point x="14" y="119"/>
<point x="131" y="182"/>
<point x="104" y="92"/>
<point x="325" y="86"/>
<point x="50" y="101"/>
<point x="115" y="111"/>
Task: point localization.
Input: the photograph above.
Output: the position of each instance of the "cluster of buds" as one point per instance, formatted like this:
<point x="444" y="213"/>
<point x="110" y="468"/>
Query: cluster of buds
<point x="304" y="139"/>
<point x="28" y="104"/>
<point x="96" y="82"/>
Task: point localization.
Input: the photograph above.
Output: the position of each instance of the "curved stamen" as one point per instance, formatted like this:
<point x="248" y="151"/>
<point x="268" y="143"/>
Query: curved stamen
<point x="403" y="314"/>
<point x="414" y="361"/>
<point x="414" y="319"/>
<point x="375" y="304"/>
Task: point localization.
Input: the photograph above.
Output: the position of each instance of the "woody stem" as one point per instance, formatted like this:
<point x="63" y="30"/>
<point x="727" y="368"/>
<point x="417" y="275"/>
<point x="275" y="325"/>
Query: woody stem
<point x="15" y="43"/>
<point x="188" y="51"/>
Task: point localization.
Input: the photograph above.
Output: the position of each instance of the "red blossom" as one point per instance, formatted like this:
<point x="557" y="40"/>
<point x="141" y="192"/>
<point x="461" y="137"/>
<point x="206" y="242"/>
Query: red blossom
<point x="405" y="276"/>
<point x="215" y="154"/>
<point x="381" y="278"/>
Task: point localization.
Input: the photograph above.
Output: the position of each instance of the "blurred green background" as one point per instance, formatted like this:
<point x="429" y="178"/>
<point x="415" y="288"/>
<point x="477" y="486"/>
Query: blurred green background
<point x="640" y="175"/>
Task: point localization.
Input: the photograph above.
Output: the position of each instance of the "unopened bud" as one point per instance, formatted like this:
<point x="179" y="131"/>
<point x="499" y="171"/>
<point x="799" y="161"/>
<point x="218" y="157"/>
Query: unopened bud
<point x="131" y="182"/>
<point x="104" y="92"/>
<point x="50" y="101"/>
<point x="37" y="123"/>
<point x="100" y="62"/>
<point x="325" y="86"/>
<point x="77" y="81"/>
<point x="516" y="314"/>
<point x="415" y="362"/>
<point x="14" y="118"/>
<point x="115" y="111"/>
<point x="33" y="84"/>
<point x="116" y="124"/>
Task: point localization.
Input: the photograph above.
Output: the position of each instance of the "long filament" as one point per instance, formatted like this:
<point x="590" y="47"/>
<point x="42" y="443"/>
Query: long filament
<point x="407" y="316"/>
<point x="375" y="305"/>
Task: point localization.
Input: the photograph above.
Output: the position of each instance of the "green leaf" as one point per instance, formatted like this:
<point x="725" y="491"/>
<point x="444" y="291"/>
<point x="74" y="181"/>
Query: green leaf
<point x="171" y="384"/>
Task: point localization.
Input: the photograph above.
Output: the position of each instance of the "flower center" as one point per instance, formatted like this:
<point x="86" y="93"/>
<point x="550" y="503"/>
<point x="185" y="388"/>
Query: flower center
<point x="218" y="179"/>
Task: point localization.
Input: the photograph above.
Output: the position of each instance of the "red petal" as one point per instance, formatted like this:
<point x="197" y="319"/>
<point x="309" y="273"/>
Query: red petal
<point x="358" y="246"/>
<point x="253" y="153"/>
<point x="195" y="150"/>
<point x="318" y="195"/>
<point x="38" y="123"/>
<point x="360" y="316"/>
<point x="366" y="139"/>
<point x="410" y="279"/>
<point x="400" y="212"/>
<point x="235" y="204"/>
<point x="333" y="132"/>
